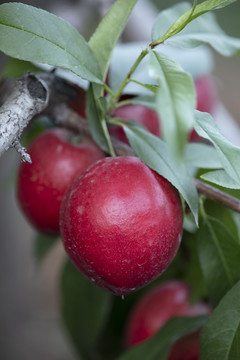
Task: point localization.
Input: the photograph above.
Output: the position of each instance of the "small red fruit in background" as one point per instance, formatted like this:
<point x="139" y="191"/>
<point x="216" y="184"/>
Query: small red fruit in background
<point x="121" y="223"/>
<point x="141" y="114"/>
<point x="206" y="94"/>
<point x="155" y="308"/>
<point x="206" y="100"/>
<point x="42" y="184"/>
<point x="79" y="103"/>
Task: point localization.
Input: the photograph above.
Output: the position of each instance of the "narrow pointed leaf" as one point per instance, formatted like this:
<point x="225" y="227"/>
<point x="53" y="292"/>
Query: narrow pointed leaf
<point x="148" y="101"/>
<point x="108" y="31"/>
<point x="186" y="17"/>
<point x="167" y="18"/>
<point x="219" y="254"/>
<point x="84" y="309"/>
<point x="159" y="345"/>
<point x="220" y="337"/>
<point x="202" y="156"/>
<point x="221" y="178"/>
<point x="205" y="30"/>
<point x="32" y="34"/>
<point x="156" y="154"/>
<point x="175" y="100"/>
<point x="229" y="154"/>
<point x="94" y="120"/>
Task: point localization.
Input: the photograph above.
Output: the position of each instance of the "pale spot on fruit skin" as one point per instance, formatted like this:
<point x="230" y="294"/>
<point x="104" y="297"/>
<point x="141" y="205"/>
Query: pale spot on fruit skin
<point x="59" y="148"/>
<point x="34" y="177"/>
<point x="80" y="209"/>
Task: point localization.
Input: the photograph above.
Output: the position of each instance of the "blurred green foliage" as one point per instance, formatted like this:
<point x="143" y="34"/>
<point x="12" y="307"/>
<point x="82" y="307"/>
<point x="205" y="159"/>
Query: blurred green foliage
<point x="228" y="17"/>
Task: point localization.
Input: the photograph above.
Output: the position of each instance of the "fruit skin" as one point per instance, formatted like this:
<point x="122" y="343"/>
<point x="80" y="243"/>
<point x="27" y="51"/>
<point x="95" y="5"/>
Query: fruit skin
<point x="141" y="114"/>
<point x="42" y="184"/>
<point x="121" y="223"/>
<point x="155" y="308"/>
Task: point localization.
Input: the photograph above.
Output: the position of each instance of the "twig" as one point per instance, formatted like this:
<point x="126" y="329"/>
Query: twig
<point x="218" y="195"/>
<point x="34" y="94"/>
<point x="65" y="117"/>
<point x="28" y="97"/>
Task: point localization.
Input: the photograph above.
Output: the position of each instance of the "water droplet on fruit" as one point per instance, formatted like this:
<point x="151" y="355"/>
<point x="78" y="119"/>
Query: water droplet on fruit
<point x="93" y="280"/>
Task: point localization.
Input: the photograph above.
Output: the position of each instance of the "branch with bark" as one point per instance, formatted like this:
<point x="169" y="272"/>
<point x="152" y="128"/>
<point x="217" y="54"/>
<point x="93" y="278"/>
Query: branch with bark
<point x="45" y="93"/>
<point x="28" y="97"/>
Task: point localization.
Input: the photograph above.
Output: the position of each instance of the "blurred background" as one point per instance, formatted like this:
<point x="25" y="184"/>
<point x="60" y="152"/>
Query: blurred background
<point x="30" y="326"/>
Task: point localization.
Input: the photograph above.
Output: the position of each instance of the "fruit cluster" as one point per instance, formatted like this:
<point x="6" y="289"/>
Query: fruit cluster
<point x="120" y="221"/>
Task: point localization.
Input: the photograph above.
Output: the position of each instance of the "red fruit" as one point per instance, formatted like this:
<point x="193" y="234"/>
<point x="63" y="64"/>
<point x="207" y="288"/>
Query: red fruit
<point x="155" y="308"/>
<point x="206" y="100"/>
<point x="121" y="224"/>
<point x="188" y="347"/>
<point x="42" y="184"/>
<point x="143" y="115"/>
<point x="79" y="104"/>
<point x="206" y="94"/>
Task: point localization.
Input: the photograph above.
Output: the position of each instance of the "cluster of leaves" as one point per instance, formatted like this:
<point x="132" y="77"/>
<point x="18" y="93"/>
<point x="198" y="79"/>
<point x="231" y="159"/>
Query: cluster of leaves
<point x="212" y="251"/>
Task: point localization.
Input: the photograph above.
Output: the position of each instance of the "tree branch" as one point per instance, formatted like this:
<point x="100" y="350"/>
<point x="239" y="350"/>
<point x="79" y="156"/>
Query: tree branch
<point x="28" y="97"/>
<point x="65" y="117"/>
<point x="34" y="94"/>
<point x="217" y="195"/>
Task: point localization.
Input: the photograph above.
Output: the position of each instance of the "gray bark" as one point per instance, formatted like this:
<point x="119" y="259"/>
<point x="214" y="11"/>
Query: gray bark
<point x="28" y="98"/>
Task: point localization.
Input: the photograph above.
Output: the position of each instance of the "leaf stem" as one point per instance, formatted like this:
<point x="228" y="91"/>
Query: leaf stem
<point x="174" y="30"/>
<point x="105" y="131"/>
<point x="108" y="89"/>
<point x="128" y="78"/>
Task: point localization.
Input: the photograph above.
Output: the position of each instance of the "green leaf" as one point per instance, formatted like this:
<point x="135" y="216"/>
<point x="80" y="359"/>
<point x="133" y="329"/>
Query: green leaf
<point x="219" y="254"/>
<point x="150" y="87"/>
<point x="186" y="17"/>
<point x="229" y="154"/>
<point x="32" y="34"/>
<point x="15" y="68"/>
<point x="108" y="31"/>
<point x="224" y="215"/>
<point x="94" y="120"/>
<point x="175" y="100"/>
<point x="192" y="273"/>
<point x="220" y="337"/>
<point x="221" y="178"/>
<point x="156" y="154"/>
<point x="84" y="309"/>
<point x="158" y="346"/>
<point x="42" y="245"/>
<point x="145" y="100"/>
<point x="167" y="18"/>
<point x="205" y="30"/>
<point x="202" y="156"/>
